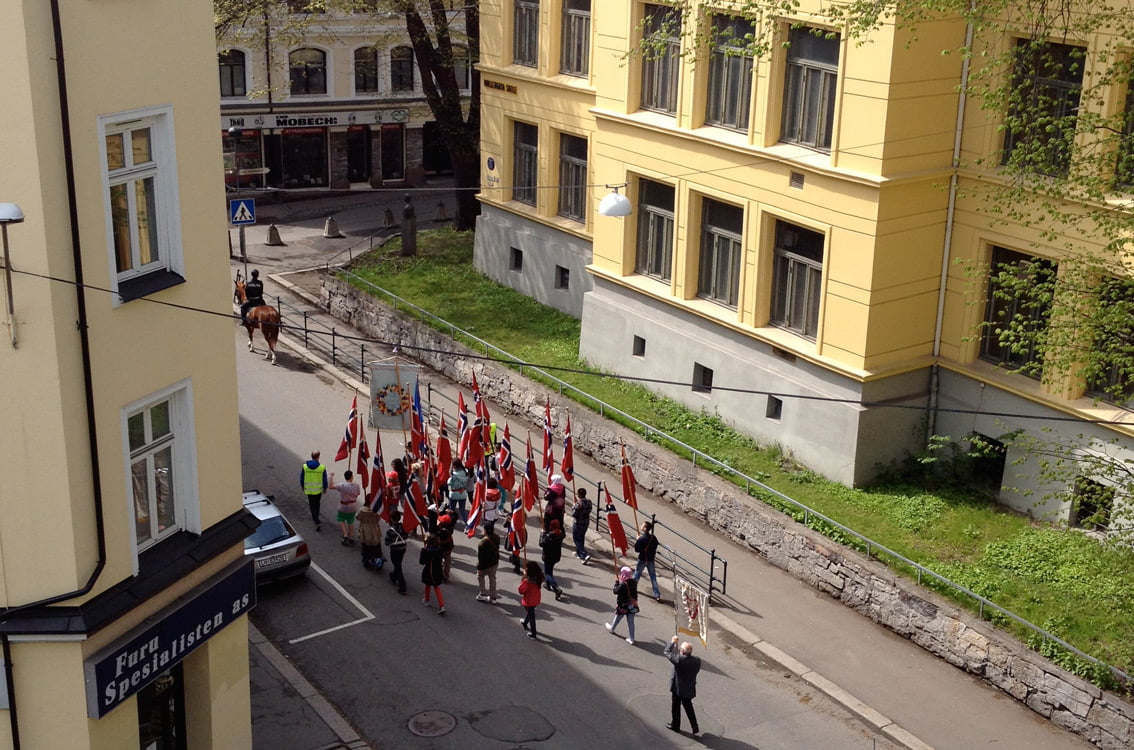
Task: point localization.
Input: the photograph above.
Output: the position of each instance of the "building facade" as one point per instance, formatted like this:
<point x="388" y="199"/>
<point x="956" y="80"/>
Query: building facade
<point x="313" y="96"/>
<point x="800" y="224"/>
<point x="123" y="588"/>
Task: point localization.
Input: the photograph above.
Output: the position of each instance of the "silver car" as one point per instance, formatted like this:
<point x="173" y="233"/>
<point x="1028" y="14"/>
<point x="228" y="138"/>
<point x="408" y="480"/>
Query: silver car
<point x="279" y="551"/>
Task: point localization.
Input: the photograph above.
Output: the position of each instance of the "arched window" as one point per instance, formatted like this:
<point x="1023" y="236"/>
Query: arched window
<point x="401" y="69"/>
<point x="308" y="71"/>
<point x="232" y="73"/>
<point x="365" y="70"/>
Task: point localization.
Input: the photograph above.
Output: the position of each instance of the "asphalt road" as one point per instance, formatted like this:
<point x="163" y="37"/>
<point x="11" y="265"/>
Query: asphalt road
<point x="391" y="665"/>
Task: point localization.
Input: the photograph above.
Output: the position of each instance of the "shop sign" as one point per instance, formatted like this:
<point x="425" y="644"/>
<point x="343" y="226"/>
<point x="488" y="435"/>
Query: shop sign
<point x="314" y="119"/>
<point x="128" y="665"/>
<point x="498" y="86"/>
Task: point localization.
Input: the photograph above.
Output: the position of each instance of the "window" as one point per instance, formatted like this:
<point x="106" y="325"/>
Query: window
<point x="1043" y="103"/>
<point x="730" y="74"/>
<point x="365" y="70"/>
<point x="1020" y="289"/>
<point x="526" y="157"/>
<point x="1110" y="370"/>
<point x="797" y="279"/>
<point x="574" y="58"/>
<point x="721" y="228"/>
<point x="639" y="349"/>
<point x="308" y="71"/>
<point x="662" y="59"/>
<point x="142" y="203"/>
<point x="562" y="278"/>
<point x="515" y="259"/>
<point x="1124" y="169"/>
<point x="1092" y="504"/>
<point x="159" y="444"/>
<point x="702" y="378"/>
<point x="655" y="230"/>
<point x="462" y="67"/>
<point x="525" y="33"/>
<point x="401" y="68"/>
<point x="775" y="408"/>
<point x="573" y="177"/>
<point x="809" y="88"/>
<point x="232" y="81"/>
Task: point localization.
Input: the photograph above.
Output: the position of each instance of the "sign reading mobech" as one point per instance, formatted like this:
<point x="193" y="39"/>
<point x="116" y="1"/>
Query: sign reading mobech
<point x="314" y="119"/>
<point x="132" y="662"/>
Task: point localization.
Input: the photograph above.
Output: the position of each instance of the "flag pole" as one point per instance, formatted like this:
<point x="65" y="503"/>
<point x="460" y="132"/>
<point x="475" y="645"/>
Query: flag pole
<point x="538" y="496"/>
<point x="350" y="448"/>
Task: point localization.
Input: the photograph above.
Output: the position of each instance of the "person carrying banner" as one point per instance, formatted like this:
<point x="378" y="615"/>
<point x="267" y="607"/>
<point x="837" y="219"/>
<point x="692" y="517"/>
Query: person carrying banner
<point x="370" y="537"/>
<point x="682" y="684"/>
<point x="626" y="605"/>
<point x="313" y="481"/>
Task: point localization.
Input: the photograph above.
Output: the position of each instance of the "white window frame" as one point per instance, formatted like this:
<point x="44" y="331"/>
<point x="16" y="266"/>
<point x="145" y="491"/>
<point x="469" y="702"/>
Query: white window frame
<point x="377" y="71"/>
<point x="183" y="485"/>
<point x="328" y="73"/>
<point x="167" y="202"/>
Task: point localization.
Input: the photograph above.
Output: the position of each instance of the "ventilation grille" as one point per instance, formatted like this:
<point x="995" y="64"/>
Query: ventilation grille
<point x="795" y="180"/>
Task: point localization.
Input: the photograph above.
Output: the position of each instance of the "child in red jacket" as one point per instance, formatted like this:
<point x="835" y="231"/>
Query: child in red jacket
<point x="530" y="595"/>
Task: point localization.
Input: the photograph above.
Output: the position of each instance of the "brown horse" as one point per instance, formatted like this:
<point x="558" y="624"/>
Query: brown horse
<point x="264" y="317"/>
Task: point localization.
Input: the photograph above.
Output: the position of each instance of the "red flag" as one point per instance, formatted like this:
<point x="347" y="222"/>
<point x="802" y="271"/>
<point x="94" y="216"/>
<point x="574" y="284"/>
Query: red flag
<point x="567" y="467"/>
<point x="617" y="533"/>
<point x="377" y="474"/>
<point x="504" y="461"/>
<point x="531" y="482"/>
<point x="389" y="498"/>
<point x="548" y="452"/>
<point x="410" y="519"/>
<point x="444" y="456"/>
<point x="479" y="491"/>
<point x="418" y="498"/>
<point x="351" y="435"/>
<point x="517" y="530"/>
<point x="486" y="427"/>
<point x="363" y="460"/>
<point x="629" y="484"/>
<point x="478" y="402"/>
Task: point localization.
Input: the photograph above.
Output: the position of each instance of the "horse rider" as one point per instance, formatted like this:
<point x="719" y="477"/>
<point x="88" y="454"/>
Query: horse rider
<point x="253" y="295"/>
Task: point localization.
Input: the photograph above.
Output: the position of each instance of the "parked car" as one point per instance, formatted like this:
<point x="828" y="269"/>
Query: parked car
<point x="278" y="549"/>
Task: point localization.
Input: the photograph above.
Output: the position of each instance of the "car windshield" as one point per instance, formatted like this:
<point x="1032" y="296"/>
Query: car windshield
<point x="271" y="530"/>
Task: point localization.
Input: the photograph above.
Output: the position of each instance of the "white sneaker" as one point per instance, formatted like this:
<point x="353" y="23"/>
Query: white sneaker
<point x="608" y="627"/>
<point x="630" y="641"/>
<point x="481" y="598"/>
<point x="493" y="601"/>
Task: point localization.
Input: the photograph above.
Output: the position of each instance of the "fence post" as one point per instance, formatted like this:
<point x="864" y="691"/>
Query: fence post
<point x="334" y="347"/>
<point x="362" y="362"/>
<point x="306" y="343"/>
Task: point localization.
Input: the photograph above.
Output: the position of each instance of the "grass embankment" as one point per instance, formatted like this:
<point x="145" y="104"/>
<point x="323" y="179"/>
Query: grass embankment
<point x="1061" y="580"/>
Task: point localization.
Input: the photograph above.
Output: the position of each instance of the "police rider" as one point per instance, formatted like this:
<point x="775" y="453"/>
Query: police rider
<point x="253" y="295"/>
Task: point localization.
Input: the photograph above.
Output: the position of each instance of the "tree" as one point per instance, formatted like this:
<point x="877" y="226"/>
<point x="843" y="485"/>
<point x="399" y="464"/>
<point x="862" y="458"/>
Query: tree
<point x="436" y="30"/>
<point x="1054" y="76"/>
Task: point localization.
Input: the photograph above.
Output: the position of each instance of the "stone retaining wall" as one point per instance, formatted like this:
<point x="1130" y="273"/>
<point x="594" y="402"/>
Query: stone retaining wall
<point x="859" y="582"/>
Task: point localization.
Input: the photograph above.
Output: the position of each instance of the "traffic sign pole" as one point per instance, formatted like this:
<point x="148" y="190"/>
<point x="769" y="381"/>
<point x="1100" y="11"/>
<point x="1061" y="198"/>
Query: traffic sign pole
<point x="243" y="251"/>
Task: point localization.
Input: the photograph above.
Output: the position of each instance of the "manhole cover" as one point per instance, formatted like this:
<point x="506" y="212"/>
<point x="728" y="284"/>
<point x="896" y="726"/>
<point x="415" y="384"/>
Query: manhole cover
<point x="432" y="723"/>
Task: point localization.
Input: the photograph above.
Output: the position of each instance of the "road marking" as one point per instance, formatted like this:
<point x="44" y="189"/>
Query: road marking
<point x="367" y="614"/>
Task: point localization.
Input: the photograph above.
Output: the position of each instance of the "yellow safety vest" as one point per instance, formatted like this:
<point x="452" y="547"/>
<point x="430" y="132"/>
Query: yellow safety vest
<point x="313" y="479"/>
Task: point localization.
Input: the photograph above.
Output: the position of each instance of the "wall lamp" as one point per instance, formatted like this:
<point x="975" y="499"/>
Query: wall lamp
<point x="10" y="213"/>
<point x="615" y="203"/>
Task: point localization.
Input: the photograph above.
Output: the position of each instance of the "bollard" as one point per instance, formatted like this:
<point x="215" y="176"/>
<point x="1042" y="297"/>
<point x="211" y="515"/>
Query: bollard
<point x="389" y="219"/>
<point x="274" y="236"/>
<point x="331" y="229"/>
<point x="442" y="213"/>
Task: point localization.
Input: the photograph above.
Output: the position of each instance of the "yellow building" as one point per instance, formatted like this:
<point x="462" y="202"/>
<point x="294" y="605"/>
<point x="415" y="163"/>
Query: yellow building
<point x="791" y="230"/>
<point x="123" y="587"/>
<point x="320" y="95"/>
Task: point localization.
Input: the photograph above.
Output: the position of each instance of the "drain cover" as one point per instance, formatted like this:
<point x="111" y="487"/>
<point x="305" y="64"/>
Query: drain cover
<point x="432" y="723"/>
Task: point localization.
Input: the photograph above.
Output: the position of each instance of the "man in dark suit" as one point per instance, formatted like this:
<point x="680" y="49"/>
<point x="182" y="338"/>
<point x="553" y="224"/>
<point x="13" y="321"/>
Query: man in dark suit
<point x="683" y="683"/>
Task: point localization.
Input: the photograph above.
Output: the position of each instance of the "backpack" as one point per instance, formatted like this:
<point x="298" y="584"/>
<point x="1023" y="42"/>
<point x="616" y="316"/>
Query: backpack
<point x="457" y="482"/>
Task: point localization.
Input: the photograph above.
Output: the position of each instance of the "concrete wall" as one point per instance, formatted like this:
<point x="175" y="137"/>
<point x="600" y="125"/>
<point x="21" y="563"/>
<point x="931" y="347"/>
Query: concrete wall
<point x="861" y="583"/>
<point x="544" y="248"/>
<point x="842" y="441"/>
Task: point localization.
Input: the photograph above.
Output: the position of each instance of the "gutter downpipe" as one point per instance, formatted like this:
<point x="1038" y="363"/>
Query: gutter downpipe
<point x="950" y="211"/>
<point x="88" y="384"/>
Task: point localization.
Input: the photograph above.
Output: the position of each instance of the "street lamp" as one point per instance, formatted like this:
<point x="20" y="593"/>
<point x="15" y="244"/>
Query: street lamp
<point x="10" y="213"/>
<point x="615" y="203"/>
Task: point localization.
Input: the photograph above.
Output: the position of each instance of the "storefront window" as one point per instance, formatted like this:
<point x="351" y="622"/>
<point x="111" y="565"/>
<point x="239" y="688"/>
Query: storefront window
<point x="305" y="157"/>
<point x="393" y="152"/>
<point x="161" y="712"/>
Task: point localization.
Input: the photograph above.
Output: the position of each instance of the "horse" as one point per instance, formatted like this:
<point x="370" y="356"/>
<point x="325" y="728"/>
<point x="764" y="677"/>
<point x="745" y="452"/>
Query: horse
<point x="264" y="317"/>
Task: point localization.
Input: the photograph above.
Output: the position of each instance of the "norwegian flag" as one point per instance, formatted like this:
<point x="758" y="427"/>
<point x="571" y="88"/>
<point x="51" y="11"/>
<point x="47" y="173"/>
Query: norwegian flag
<point x="444" y="454"/>
<point x="351" y="435"/>
<point x="482" y="418"/>
<point x="629" y="484"/>
<point x="548" y="452"/>
<point x="517" y="530"/>
<point x="485" y="427"/>
<point x="420" y="445"/>
<point x="567" y="466"/>
<point x="478" y="401"/>
<point x="462" y="419"/>
<point x="363" y="459"/>
<point x="617" y="533"/>
<point x="410" y="519"/>
<point x="377" y="473"/>
<point x="504" y="461"/>
<point x="477" y="509"/>
<point x="418" y="498"/>
<point x="531" y="482"/>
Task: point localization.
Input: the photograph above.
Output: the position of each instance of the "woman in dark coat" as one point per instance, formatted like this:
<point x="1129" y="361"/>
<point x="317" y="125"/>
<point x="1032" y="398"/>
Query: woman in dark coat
<point x="431" y="575"/>
<point x="551" y="541"/>
<point x="626" y="604"/>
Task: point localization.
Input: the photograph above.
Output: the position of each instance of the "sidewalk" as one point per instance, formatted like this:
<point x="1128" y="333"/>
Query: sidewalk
<point x="891" y="684"/>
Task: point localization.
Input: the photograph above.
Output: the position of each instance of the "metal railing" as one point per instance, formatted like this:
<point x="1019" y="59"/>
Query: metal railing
<point x="752" y="486"/>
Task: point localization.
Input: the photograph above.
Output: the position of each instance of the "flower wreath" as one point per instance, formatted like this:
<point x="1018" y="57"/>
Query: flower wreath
<point x="403" y="400"/>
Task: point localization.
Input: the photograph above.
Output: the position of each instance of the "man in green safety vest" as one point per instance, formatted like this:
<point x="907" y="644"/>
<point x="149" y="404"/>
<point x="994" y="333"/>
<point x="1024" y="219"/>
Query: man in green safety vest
<point x="313" y="480"/>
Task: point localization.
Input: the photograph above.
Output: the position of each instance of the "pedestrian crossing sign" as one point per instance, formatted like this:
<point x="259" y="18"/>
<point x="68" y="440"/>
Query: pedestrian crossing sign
<point x="242" y="211"/>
